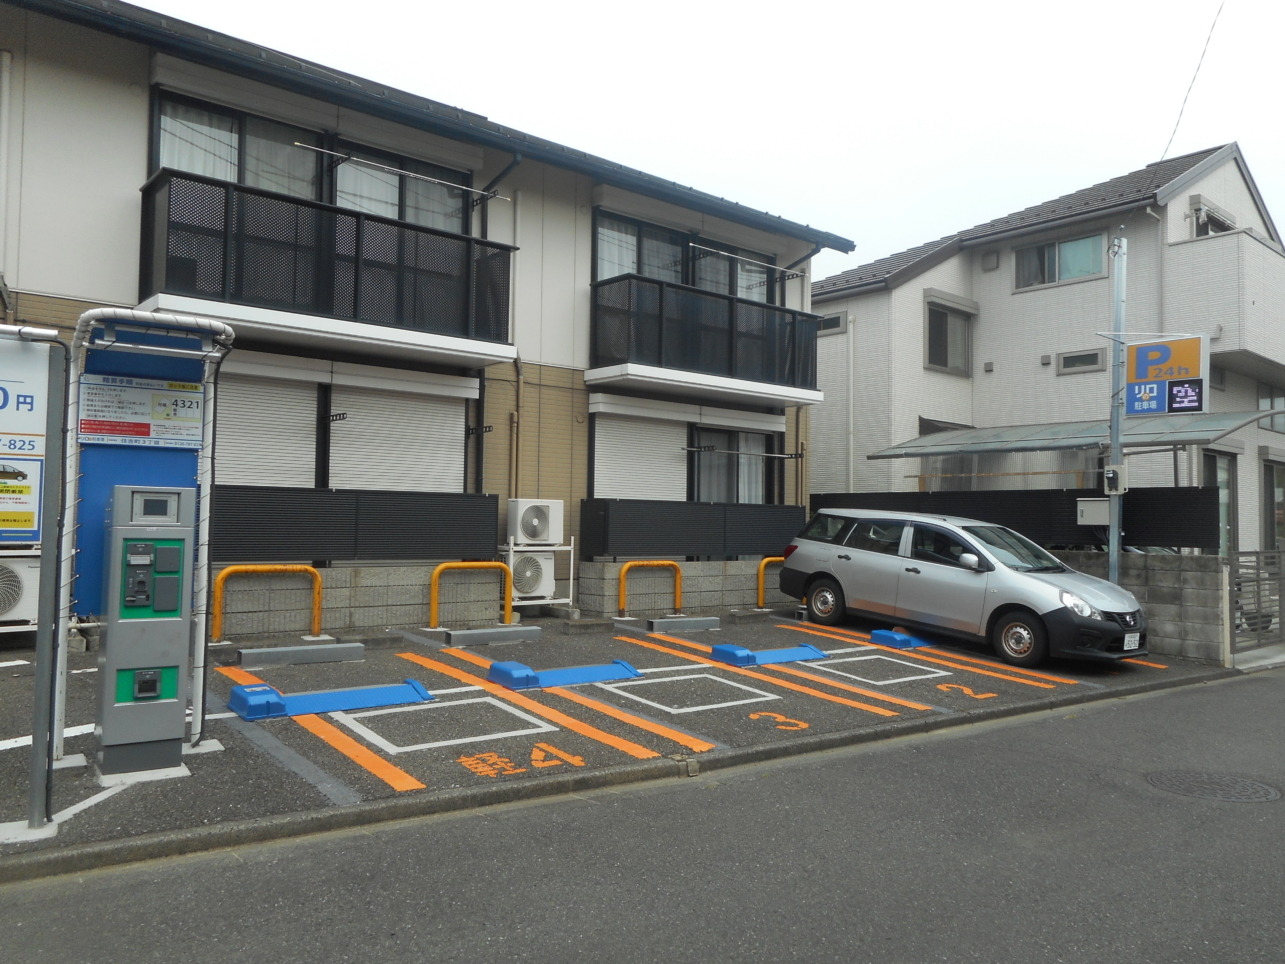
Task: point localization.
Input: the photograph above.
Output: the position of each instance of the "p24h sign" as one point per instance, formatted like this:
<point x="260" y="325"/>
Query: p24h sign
<point x="1166" y="376"/>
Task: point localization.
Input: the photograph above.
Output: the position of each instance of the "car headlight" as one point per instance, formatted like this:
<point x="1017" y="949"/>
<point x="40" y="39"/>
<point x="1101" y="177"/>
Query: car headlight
<point x="1078" y="606"/>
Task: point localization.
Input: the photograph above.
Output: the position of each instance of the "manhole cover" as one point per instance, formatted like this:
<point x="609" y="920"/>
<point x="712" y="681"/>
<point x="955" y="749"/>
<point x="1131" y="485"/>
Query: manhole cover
<point x="1213" y="786"/>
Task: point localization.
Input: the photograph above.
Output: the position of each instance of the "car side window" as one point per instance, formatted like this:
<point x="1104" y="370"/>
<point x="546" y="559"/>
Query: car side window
<point x="826" y="528"/>
<point x="937" y="545"/>
<point x="877" y="536"/>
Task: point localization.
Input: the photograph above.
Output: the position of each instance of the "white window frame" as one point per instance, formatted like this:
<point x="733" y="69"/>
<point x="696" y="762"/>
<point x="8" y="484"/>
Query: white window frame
<point x="959" y="307"/>
<point x="839" y="329"/>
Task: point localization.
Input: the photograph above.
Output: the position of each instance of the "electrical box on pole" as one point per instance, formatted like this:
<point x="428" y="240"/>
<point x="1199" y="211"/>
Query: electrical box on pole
<point x="146" y="632"/>
<point x="1115" y="480"/>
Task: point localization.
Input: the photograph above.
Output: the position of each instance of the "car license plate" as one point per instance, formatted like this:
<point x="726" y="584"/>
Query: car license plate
<point x="1131" y="640"/>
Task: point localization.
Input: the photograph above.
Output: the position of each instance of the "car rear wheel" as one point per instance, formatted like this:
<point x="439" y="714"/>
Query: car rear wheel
<point x="1020" y="639"/>
<point x="825" y="602"/>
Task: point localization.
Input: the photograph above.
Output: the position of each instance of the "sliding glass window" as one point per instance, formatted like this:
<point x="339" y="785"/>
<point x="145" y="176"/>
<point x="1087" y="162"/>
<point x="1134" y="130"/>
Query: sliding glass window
<point x="230" y="145"/>
<point x="735" y="471"/>
<point x="625" y="246"/>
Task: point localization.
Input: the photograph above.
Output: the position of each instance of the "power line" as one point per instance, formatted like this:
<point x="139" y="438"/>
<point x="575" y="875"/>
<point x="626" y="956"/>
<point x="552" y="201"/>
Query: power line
<point x="1193" y="80"/>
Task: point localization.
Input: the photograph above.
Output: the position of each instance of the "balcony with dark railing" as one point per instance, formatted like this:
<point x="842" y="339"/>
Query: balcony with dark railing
<point x="216" y="241"/>
<point x="642" y="326"/>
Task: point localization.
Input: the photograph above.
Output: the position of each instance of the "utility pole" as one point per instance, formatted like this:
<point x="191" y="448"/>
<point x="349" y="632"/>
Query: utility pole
<point x="1119" y="251"/>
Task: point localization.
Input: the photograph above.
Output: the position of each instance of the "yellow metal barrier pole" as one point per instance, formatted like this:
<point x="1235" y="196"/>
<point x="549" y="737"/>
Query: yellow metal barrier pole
<point x="646" y="563"/>
<point x="216" y="603"/>
<point x="762" y="572"/>
<point x="435" y="582"/>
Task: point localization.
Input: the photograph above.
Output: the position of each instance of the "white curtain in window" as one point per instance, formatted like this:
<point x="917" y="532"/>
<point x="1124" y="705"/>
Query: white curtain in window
<point x="1080" y="258"/>
<point x="751" y="281"/>
<point x="274" y="163"/>
<point x="662" y="256"/>
<point x="198" y="141"/>
<point x="367" y="189"/>
<point x="713" y="272"/>
<point x="752" y="469"/>
<point x="434" y="205"/>
<point x="716" y="471"/>
<point x="617" y="248"/>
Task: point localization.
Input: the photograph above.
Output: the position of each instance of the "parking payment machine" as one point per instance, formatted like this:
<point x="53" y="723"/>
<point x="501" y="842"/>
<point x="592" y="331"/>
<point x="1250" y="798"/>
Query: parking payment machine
<point x="143" y="658"/>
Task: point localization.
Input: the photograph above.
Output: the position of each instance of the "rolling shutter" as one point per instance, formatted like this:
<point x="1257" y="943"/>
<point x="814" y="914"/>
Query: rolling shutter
<point x="396" y="440"/>
<point x="267" y="432"/>
<point x="639" y="458"/>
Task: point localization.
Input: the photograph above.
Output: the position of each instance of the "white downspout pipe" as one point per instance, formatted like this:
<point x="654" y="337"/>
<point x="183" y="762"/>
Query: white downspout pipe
<point x="6" y="118"/>
<point x="71" y="468"/>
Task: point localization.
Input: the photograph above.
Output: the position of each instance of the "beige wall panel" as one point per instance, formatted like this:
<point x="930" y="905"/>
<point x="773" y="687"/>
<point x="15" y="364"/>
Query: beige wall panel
<point x="84" y="109"/>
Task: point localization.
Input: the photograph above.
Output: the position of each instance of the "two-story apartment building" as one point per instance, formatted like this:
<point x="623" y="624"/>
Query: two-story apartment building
<point x="423" y="300"/>
<point x="1002" y="325"/>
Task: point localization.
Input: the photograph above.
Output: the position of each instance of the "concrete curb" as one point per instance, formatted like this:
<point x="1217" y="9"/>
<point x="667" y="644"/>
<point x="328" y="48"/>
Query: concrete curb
<point x="109" y="853"/>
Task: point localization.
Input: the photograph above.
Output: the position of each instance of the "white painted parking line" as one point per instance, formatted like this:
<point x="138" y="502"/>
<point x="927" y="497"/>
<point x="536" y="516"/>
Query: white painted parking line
<point x="458" y="689"/>
<point x="91" y="669"/>
<point x="849" y="649"/>
<point x="88" y="802"/>
<point x="665" y="669"/>
<point x="15" y="662"/>
<point x="17" y="741"/>
<point x="622" y="689"/>
<point x="921" y="671"/>
<point x="350" y="720"/>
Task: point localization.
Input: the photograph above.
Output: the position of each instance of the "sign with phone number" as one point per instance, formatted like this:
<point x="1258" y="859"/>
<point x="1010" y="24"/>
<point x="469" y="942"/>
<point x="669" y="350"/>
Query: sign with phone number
<point x="119" y="410"/>
<point x="24" y="401"/>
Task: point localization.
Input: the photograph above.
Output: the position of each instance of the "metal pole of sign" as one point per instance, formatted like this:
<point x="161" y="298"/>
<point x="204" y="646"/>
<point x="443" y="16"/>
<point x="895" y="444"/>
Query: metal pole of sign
<point x="40" y="795"/>
<point x="1119" y="251"/>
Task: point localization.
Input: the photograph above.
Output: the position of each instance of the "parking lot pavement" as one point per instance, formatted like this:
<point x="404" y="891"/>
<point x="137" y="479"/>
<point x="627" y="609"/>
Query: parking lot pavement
<point x="476" y="734"/>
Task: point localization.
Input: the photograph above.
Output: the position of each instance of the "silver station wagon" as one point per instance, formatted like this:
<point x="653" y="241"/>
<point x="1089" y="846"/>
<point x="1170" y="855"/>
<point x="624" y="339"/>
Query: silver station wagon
<point x="963" y="578"/>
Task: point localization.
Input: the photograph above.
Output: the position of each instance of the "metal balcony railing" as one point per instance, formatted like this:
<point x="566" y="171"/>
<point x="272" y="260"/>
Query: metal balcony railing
<point x="648" y="322"/>
<point x="207" y="238"/>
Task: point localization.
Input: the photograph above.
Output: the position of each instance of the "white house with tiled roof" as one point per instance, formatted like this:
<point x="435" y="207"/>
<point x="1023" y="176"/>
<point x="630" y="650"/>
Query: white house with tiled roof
<point x="1000" y="325"/>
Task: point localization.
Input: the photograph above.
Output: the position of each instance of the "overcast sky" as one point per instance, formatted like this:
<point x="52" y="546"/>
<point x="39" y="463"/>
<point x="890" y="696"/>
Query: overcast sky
<point x="890" y="124"/>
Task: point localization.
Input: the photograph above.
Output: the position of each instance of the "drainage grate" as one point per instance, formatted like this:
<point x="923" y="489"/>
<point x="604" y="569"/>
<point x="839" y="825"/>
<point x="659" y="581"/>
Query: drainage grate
<point x="1213" y="786"/>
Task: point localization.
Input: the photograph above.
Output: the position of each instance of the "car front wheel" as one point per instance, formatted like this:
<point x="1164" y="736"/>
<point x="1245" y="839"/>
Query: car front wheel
<point x="1020" y="639"/>
<point x="825" y="602"/>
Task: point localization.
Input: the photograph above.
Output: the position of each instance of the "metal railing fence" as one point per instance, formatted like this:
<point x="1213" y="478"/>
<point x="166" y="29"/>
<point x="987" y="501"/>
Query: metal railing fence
<point x="207" y="238"/>
<point x="649" y="322"/>
<point x="1256" y="590"/>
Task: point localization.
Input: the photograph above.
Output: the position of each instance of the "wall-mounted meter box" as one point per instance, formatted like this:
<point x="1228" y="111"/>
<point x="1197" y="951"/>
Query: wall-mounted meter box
<point x="1093" y="512"/>
<point x="146" y="631"/>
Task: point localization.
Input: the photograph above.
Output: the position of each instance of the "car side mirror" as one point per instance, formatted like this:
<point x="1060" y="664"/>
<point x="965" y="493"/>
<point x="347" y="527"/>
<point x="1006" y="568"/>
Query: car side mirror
<point x="969" y="560"/>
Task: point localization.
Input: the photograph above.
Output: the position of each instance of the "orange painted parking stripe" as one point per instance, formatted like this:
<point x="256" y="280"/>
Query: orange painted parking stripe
<point x="1143" y="662"/>
<point x="239" y="675"/>
<point x="553" y="716"/>
<point x="683" y="739"/>
<point x="816" y="679"/>
<point x="396" y="778"/>
<point x="785" y="684"/>
<point x="679" y="737"/>
<point x="1006" y="668"/>
<point x="928" y="659"/>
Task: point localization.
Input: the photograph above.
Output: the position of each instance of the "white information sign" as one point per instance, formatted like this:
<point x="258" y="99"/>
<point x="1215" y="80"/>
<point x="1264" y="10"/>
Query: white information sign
<point x="119" y="410"/>
<point x="24" y="400"/>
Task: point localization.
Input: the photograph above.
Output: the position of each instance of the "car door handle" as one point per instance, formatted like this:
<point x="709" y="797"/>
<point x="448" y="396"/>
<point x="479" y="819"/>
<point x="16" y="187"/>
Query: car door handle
<point x="915" y="571"/>
<point x="841" y="556"/>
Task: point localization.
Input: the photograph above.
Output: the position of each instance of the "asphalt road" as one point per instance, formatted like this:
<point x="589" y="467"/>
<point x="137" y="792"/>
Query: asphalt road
<point x="1031" y="839"/>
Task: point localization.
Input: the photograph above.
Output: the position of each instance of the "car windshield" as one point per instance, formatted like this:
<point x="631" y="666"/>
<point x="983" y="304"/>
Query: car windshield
<point x="1015" y="551"/>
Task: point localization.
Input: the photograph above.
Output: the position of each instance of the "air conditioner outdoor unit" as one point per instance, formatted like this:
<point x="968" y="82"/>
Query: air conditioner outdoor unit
<point x="19" y="591"/>
<point x="535" y="522"/>
<point x="533" y="575"/>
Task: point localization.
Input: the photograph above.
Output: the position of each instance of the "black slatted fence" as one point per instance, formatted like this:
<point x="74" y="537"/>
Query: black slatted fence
<point x="639" y="527"/>
<point x="1177" y="517"/>
<point x="251" y="523"/>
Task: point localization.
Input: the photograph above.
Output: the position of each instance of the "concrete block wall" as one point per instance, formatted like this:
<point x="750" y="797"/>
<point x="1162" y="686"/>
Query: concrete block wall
<point x="708" y="587"/>
<point x="1181" y="596"/>
<point x="359" y="599"/>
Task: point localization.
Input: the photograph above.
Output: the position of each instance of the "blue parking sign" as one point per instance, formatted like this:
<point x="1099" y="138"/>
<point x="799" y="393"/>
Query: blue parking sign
<point x="1146" y="398"/>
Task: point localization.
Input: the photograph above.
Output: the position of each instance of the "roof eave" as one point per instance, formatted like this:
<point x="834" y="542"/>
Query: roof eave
<point x="343" y="91"/>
